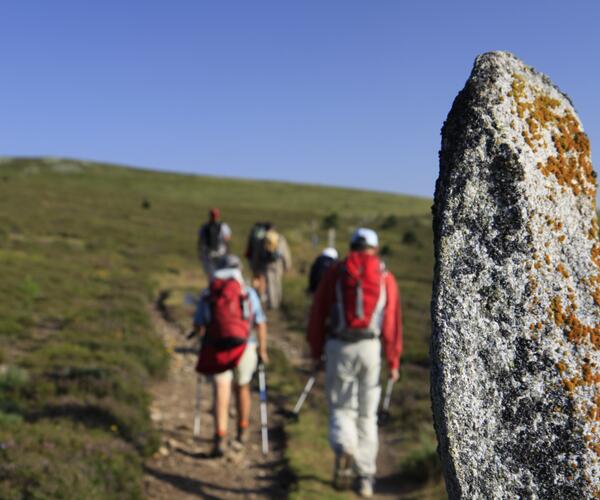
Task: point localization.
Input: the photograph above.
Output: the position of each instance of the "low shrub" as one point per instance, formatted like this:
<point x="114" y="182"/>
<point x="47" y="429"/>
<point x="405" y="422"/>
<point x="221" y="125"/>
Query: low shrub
<point x="58" y="460"/>
<point x="389" y="222"/>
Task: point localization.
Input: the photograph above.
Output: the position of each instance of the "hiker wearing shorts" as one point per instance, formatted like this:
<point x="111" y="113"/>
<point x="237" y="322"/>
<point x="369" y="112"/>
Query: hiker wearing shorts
<point x="213" y="241"/>
<point x="240" y="361"/>
<point x="354" y="316"/>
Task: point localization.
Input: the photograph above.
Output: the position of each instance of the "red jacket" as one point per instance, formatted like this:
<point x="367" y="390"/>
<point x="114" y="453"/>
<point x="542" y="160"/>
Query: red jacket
<point x="324" y="300"/>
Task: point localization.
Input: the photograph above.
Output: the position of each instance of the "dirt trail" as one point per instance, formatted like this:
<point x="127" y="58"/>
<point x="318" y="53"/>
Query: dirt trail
<point x="181" y="468"/>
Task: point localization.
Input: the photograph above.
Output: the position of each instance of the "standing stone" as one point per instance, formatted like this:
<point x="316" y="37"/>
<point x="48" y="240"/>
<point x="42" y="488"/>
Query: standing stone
<point x="516" y="297"/>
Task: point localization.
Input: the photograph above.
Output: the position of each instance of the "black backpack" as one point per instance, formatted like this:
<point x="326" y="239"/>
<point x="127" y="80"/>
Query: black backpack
<point x="317" y="270"/>
<point x="212" y="236"/>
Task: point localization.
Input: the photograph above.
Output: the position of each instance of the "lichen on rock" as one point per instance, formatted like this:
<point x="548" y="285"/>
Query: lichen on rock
<point x="516" y="299"/>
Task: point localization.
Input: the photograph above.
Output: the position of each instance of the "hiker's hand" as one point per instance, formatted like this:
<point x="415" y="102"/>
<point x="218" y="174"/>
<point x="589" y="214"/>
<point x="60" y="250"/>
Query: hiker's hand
<point x="263" y="355"/>
<point x="395" y="374"/>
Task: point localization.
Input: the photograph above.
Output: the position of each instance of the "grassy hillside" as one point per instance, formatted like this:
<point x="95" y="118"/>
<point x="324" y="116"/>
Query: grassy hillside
<point x="81" y="259"/>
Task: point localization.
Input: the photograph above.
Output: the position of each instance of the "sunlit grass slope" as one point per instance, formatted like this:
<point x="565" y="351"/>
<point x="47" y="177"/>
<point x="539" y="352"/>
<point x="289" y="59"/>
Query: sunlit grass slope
<point x="82" y="249"/>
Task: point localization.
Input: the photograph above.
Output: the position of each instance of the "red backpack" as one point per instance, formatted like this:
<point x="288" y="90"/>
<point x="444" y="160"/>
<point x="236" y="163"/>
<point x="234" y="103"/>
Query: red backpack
<point x="229" y="318"/>
<point x="360" y="293"/>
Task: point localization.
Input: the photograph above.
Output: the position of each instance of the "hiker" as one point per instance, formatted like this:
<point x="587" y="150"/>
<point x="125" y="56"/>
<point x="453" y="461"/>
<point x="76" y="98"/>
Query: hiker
<point x="322" y="263"/>
<point x="213" y="241"/>
<point x="253" y="254"/>
<point x="355" y="314"/>
<point x="274" y="260"/>
<point x="227" y="314"/>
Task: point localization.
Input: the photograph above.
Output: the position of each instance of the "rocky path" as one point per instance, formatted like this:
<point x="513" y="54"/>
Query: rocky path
<point x="181" y="468"/>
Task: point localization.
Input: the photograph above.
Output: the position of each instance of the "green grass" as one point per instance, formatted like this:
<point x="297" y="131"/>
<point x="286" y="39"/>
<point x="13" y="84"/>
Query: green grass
<point x="81" y="260"/>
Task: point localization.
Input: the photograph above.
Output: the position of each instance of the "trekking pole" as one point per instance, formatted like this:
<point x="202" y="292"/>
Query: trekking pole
<point x="196" y="432"/>
<point x="304" y="395"/>
<point x="262" y="387"/>
<point x="384" y="413"/>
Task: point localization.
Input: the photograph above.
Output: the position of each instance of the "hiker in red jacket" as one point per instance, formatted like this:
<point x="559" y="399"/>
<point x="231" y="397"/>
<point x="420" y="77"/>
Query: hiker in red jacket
<point x="355" y="315"/>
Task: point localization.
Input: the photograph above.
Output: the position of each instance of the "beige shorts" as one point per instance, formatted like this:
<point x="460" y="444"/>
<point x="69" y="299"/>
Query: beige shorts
<point x="244" y="371"/>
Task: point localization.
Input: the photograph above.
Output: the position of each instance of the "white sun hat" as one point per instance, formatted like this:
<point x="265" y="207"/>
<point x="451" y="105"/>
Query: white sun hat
<point x="330" y="252"/>
<point x="368" y="235"/>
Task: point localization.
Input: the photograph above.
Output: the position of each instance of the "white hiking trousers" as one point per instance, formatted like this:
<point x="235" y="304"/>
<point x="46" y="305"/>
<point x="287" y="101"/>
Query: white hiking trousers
<point x="353" y="392"/>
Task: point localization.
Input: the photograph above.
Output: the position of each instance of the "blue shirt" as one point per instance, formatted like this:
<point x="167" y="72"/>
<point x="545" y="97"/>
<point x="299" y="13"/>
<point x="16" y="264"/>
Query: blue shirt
<point x="258" y="315"/>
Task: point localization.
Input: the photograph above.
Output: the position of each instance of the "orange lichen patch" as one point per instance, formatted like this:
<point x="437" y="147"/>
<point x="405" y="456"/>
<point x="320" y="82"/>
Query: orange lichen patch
<point x="596" y="254"/>
<point x="562" y="238"/>
<point x="593" y="232"/>
<point x="556" y="311"/>
<point x="547" y="259"/>
<point x="561" y="269"/>
<point x="571" y="166"/>
<point x="577" y="332"/>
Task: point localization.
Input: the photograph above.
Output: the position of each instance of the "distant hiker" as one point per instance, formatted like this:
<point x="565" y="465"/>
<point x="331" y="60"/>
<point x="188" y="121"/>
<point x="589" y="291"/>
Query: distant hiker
<point x="253" y="254"/>
<point x="213" y="241"/>
<point x="322" y="263"/>
<point x="274" y="260"/>
<point x="226" y="316"/>
<point x="356" y="312"/>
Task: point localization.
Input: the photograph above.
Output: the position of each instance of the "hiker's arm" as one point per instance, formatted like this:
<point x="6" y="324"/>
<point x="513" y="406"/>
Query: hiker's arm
<point x="262" y="342"/>
<point x="321" y="307"/>
<point x="392" y="327"/>
<point x="226" y="232"/>
<point x="199" y="319"/>
<point x="286" y="255"/>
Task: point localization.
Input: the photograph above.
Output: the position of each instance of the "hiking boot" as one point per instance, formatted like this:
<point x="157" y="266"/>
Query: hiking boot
<point x="243" y="435"/>
<point x="342" y="473"/>
<point x="365" y="487"/>
<point x="242" y="438"/>
<point x="218" y="449"/>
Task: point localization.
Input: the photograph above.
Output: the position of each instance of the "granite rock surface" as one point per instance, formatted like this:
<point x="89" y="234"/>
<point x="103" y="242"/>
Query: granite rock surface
<point x="516" y="297"/>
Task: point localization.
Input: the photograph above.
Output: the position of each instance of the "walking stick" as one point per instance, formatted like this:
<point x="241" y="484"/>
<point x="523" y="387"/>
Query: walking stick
<point x="262" y="387"/>
<point x="384" y="413"/>
<point x="197" y="407"/>
<point x="303" y="396"/>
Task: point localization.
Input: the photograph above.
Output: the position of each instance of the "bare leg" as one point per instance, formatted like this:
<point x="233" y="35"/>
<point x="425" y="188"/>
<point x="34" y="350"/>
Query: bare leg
<point x="262" y="285"/>
<point x="243" y="405"/>
<point x="222" y="396"/>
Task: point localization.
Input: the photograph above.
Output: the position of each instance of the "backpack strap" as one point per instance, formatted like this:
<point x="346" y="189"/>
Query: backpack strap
<point x="246" y="305"/>
<point x="381" y="302"/>
<point x="339" y="301"/>
<point x="359" y="306"/>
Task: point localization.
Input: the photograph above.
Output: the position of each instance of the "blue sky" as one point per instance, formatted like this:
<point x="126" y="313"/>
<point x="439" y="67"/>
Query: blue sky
<point x="341" y="92"/>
